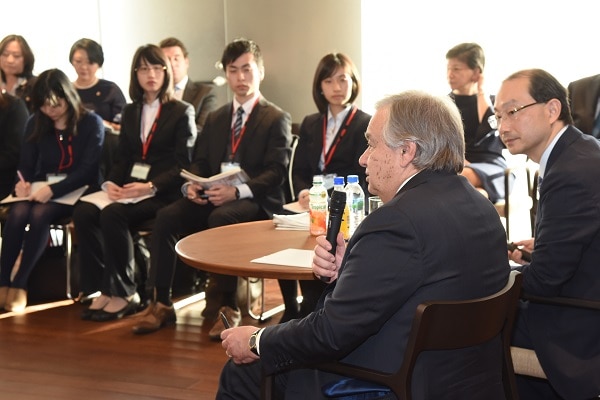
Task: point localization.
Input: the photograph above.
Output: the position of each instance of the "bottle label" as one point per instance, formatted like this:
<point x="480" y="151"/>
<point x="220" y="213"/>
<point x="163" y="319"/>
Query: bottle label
<point x="318" y="222"/>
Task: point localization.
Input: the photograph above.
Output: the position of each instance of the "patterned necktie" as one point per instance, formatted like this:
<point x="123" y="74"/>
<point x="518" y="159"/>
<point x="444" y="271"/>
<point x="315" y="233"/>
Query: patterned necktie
<point x="237" y="127"/>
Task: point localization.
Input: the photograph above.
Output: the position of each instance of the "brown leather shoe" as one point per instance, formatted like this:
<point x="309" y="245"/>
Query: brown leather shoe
<point x="16" y="300"/>
<point x="157" y="317"/>
<point x="233" y="317"/>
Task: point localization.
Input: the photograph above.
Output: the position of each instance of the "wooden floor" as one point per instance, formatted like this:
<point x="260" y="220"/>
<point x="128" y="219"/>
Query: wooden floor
<point x="50" y="353"/>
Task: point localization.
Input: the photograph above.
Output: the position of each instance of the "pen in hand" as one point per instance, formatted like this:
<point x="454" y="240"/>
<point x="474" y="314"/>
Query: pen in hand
<point x="20" y="176"/>
<point x="224" y="319"/>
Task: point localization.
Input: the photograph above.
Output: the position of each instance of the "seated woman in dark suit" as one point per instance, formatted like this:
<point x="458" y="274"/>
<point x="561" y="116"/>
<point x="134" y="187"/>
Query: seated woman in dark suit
<point x="152" y="150"/>
<point x="61" y="149"/>
<point x="331" y="142"/>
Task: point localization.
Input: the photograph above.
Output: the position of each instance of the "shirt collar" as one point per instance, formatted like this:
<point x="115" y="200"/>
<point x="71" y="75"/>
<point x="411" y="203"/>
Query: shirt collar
<point x="247" y="106"/>
<point x="546" y="154"/>
<point x="182" y="83"/>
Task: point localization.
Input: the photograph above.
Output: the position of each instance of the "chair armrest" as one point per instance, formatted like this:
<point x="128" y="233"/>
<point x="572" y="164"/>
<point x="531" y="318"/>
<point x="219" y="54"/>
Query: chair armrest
<point x="564" y="301"/>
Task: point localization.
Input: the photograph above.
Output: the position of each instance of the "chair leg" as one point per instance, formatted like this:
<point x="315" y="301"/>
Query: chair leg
<point x="68" y="240"/>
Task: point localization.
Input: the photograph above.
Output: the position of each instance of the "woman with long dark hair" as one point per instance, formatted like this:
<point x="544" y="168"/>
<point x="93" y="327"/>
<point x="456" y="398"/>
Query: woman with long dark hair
<point x="60" y="154"/>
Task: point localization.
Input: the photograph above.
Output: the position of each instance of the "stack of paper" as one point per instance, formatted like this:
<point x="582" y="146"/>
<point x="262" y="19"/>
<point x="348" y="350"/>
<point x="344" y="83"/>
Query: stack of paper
<point x="295" y="222"/>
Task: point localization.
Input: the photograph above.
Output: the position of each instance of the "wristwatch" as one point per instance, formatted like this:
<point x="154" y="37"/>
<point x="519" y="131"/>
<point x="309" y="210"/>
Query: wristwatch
<point x="252" y="342"/>
<point x="152" y="187"/>
<point x="237" y="193"/>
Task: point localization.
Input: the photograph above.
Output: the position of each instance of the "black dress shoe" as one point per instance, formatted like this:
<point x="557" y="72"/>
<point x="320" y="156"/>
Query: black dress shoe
<point x="103" y="316"/>
<point x="88" y="313"/>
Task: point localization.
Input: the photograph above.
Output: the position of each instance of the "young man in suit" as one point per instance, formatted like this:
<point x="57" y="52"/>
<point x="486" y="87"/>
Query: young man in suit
<point x="584" y="100"/>
<point x="200" y="95"/>
<point x="259" y="144"/>
<point x="412" y="249"/>
<point x="534" y="119"/>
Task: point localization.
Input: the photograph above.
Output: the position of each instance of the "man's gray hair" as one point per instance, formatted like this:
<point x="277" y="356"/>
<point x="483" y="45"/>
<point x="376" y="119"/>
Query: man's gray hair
<point x="433" y="123"/>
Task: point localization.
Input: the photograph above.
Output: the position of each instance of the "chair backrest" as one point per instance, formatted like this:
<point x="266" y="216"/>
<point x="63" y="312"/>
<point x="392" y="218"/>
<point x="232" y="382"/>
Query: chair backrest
<point x="447" y="325"/>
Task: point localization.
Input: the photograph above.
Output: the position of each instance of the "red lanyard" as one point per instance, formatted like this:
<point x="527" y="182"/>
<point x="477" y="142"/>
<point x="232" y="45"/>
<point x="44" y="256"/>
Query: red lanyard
<point x="328" y="155"/>
<point x="59" y="140"/>
<point x="146" y="144"/>
<point x="236" y="143"/>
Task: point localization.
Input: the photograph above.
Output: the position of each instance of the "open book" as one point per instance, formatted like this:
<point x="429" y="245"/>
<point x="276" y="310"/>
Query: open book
<point x="100" y="199"/>
<point x="68" y="199"/>
<point x="232" y="177"/>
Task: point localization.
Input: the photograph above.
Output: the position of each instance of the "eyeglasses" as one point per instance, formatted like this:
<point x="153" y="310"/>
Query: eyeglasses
<point x="510" y="115"/>
<point x="145" y="70"/>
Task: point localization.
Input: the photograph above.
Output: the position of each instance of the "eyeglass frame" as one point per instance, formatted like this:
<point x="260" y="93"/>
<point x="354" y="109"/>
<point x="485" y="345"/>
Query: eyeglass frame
<point x="145" y="69"/>
<point x="495" y="120"/>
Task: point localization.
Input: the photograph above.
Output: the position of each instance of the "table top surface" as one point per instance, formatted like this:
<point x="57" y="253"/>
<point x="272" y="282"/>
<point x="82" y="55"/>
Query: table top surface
<point x="229" y="250"/>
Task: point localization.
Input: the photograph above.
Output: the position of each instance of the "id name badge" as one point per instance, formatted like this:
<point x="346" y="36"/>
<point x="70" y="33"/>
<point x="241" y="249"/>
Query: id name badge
<point x="228" y="166"/>
<point x="55" y="178"/>
<point x="140" y="171"/>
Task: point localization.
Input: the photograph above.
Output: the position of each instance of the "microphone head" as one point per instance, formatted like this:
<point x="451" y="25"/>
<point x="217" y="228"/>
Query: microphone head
<point x="337" y="202"/>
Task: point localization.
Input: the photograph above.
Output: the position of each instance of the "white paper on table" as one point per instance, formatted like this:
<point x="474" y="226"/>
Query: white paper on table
<point x="289" y="257"/>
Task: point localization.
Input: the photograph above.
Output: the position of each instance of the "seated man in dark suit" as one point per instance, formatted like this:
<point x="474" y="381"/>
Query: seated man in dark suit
<point x="435" y="237"/>
<point x="584" y="101"/>
<point x="251" y="133"/>
<point x="534" y="119"/>
<point x="200" y="95"/>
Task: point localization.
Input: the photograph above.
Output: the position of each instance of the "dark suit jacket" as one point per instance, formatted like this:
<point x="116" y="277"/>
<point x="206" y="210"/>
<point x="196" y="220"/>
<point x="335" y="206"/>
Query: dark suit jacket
<point x="438" y="238"/>
<point x="13" y="117"/>
<point x="202" y="97"/>
<point x="566" y="262"/>
<point x="583" y="98"/>
<point x="167" y="153"/>
<point x="264" y="150"/>
<point x="344" y="161"/>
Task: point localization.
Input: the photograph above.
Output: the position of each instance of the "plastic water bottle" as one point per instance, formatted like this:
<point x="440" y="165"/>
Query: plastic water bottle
<point x="355" y="198"/>
<point x="338" y="184"/>
<point x="317" y="204"/>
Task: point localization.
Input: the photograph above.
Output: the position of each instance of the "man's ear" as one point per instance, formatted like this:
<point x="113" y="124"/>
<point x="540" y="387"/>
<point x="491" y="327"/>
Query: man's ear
<point x="554" y="108"/>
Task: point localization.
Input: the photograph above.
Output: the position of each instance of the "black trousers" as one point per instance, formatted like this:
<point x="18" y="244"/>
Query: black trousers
<point x="105" y="244"/>
<point x="185" y="217"/>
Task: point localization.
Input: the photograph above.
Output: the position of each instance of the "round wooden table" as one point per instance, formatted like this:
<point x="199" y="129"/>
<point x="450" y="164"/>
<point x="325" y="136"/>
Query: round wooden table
<point x="229" y="250"/>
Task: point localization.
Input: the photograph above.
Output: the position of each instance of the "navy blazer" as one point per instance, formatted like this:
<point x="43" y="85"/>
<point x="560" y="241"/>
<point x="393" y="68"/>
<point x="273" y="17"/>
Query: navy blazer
<point x="566" y="262"/>
<point x="43" y="157"/>
<point x="264" y="150"/>
<point x="344" y="161"/>
<point x="168" y="152"/>
<point x="583" y="99"/>
<point x="438" y="238"/>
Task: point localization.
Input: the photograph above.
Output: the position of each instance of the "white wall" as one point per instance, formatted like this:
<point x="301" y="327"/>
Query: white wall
<point x="396" y="45"/>
<point x="405" y="43"/>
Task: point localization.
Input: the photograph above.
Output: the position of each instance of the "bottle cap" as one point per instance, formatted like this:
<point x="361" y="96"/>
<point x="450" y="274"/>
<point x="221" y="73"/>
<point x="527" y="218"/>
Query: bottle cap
<point x="338" y="181"/>
<point x="317" y="179"/>
<point x="352" y="178"/>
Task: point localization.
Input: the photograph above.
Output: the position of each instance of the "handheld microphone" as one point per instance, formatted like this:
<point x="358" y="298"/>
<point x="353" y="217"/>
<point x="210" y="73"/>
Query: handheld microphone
<point x="337" y="204"/>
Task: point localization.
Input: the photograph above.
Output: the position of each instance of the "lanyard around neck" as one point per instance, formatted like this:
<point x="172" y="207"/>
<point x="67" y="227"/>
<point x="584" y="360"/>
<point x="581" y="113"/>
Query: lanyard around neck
<point x="59" y="139"/>
<point x="146" y="144"/>
<point x="328" y="154"/>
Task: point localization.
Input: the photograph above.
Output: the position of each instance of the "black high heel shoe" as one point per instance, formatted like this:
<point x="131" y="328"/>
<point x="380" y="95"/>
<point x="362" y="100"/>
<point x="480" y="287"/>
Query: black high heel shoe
<point x="129" y="308"/>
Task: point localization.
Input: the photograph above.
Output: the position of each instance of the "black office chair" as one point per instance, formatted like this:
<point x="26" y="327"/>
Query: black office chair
<point x="442" y="325"/>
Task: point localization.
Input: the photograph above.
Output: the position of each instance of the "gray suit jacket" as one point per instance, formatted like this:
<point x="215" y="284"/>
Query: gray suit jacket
<point x="203" y="98"/>
<point x="583" y="98"/>
<point x="438" y="238"/>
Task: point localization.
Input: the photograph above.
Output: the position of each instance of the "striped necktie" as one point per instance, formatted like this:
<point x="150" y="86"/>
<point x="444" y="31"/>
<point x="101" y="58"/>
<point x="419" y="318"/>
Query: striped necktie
<point x="237" y="127"/>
